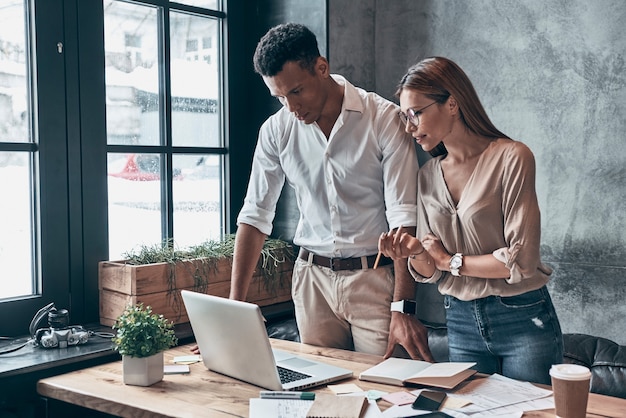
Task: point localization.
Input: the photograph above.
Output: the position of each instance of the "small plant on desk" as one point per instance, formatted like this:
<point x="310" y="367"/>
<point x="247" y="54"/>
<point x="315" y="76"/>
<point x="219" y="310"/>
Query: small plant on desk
<point x="141" y="338"/>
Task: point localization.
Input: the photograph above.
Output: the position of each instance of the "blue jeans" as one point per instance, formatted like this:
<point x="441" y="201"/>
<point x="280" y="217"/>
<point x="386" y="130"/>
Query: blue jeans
<point x="518" y="337"/>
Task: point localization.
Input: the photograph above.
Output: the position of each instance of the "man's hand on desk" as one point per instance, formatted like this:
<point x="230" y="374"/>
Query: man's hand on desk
<point x="195" y="349"/>
<point x="407" y="331"/>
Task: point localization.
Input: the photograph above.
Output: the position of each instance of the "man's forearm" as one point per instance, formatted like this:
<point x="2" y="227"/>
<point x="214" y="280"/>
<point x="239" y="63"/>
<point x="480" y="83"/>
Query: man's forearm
<point x="404" y="282"/>
<point x="248" y="245"/>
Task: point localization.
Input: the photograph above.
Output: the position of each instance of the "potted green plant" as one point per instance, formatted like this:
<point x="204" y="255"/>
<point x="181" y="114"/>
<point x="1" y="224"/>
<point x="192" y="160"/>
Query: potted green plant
<point x="141" y="338"/>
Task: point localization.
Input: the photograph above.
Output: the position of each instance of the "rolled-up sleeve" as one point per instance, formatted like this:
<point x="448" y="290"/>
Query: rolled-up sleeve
<point x="399" y="173"/>
<point x="522" y="223"/>
<point x="266" y="182"/>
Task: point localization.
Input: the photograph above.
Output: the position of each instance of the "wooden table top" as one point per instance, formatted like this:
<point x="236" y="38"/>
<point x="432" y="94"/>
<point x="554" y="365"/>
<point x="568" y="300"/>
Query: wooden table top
<point x="204" y="393"/>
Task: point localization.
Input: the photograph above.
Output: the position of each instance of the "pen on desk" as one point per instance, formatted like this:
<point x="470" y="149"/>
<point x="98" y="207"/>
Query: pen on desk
<point x="269" y="394"/>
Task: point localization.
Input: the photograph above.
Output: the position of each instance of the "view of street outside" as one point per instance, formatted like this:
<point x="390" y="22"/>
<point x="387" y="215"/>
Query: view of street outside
<point x="15" y="231"/>
<point x="133" y="118"/>
<point x="16" y="211"/>
<point x="134" y="207"/>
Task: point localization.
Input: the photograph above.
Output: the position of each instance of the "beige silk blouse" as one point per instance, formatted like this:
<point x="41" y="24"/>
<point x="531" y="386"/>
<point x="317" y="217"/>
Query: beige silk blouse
<point x="497" y="214"/>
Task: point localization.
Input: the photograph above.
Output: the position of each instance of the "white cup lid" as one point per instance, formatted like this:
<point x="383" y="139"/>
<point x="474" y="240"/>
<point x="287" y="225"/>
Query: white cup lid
<point x="570" y="372"/>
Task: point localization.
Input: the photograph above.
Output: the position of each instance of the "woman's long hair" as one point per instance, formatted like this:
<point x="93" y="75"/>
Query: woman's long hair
<point x="439" y="78"/>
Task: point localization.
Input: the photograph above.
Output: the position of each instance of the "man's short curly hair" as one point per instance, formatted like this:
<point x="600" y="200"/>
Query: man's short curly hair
<point x="284" y="43"/>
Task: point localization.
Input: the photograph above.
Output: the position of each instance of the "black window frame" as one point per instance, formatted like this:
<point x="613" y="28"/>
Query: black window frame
<point x="72" y="152"/>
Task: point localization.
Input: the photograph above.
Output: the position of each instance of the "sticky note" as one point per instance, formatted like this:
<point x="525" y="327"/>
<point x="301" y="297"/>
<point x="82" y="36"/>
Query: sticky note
<point x="194" y="358"/>
<point x="399" y="398"/>
<point x="374" y="395"/>
<point x="175" y="369"/>
<point x="345" y="388"/>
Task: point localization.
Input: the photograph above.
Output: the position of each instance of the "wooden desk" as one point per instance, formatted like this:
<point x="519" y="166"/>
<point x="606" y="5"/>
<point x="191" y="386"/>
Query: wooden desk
<point x="203" y="393"/>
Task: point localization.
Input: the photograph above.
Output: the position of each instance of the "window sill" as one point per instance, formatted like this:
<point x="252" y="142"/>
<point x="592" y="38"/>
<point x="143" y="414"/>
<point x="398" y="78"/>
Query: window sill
<point x="30" y="358"/>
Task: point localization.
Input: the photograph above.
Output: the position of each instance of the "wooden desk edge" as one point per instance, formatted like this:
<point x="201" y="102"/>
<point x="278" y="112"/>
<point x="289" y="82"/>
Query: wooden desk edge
<point x="106" y="398"/>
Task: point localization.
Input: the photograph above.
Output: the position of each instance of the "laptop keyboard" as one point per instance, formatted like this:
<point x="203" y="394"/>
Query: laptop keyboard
<point x="287" y="376"/>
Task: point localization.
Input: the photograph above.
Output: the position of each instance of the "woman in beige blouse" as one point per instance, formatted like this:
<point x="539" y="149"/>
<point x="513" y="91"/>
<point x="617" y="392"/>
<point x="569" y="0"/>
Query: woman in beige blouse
<point x="479" y="223"/>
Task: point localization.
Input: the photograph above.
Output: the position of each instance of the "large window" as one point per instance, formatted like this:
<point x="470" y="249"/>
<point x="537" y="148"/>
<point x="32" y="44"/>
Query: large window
<point x="18" y="151"/>
<point x="112" y="135"/>
<point x="165" y="131"/>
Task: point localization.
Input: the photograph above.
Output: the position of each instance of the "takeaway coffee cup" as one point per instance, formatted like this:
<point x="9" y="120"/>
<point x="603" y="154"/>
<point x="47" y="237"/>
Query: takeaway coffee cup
<point x="570" y="384"/>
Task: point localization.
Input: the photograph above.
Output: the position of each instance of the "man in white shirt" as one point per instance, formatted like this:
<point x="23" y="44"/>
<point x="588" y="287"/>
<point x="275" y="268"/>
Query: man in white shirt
<point x="345" y="153"/>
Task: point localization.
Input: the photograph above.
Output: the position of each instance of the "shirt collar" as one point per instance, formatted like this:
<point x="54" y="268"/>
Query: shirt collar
<point x="351" y="98"/>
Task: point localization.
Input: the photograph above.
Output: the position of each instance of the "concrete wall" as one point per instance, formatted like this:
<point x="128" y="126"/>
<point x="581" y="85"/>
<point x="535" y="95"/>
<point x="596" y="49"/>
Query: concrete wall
<point x="551" y="74"/>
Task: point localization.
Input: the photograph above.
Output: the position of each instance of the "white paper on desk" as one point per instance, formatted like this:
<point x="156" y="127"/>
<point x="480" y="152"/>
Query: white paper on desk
<point x="515" y="411"/>
<point x="497" y="391"/>
<point x="279" y="408"/>
<point x="400" y="411"/>
<point x="295" y="408"/>
<point x="406" y="411"/>
<point x="457" y="414"/>
<point x="372" y="411"/>
<point x="397" y="411"/>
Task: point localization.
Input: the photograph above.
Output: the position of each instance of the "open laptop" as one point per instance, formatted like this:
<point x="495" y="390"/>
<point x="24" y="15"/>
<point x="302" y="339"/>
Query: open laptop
<point x="233" y="341"/>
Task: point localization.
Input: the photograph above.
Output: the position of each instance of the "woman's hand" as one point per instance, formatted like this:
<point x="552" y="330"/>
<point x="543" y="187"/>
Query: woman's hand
<point x="397" y="244"/>
<point x="436" y="250"/>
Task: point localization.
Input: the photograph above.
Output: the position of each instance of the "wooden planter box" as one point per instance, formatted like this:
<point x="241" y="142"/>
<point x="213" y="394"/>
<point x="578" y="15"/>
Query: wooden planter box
<point x="122" y="284"/>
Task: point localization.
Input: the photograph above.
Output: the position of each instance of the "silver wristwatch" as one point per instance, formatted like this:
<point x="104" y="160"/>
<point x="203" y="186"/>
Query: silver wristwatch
<point x="456" y="262"/>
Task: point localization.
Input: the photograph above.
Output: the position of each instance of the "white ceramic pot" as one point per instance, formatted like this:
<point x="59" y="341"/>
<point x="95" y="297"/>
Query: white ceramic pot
<point x="142" y="371"/>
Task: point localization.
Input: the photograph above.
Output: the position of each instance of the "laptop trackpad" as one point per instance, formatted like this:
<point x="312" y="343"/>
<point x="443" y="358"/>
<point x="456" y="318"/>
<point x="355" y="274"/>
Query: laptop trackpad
<point x="295" y="362"/>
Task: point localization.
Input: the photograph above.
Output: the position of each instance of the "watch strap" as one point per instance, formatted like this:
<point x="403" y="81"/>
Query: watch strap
<point x="455" y="269"/>
<point x="406" y="306"/>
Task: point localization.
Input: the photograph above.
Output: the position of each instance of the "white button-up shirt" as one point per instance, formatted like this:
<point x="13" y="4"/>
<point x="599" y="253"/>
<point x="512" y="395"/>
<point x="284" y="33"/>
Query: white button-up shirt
<point x="349" y="188"/>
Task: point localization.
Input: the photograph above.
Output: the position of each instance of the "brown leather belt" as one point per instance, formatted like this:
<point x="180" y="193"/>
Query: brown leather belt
<point x="337" y="264"/>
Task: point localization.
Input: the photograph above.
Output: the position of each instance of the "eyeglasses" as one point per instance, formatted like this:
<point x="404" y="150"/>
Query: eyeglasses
<point x="413" y="115"/>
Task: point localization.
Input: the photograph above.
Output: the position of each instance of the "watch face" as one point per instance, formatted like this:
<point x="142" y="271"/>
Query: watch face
<point x="455" y="262"/>
<point x="410" y="307"/>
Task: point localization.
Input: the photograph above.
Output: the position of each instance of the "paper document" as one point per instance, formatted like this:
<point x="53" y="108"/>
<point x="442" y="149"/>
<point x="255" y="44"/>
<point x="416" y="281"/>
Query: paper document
<point x="515" y="410"/>
<point x="279" y="408"/>
<point x="295" y="408"/>
<point x="497" y="391"/>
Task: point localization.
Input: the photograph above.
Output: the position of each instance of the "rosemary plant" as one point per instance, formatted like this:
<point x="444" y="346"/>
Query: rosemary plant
<point x="205" y="258"/>
<point x="274" y="251"/>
